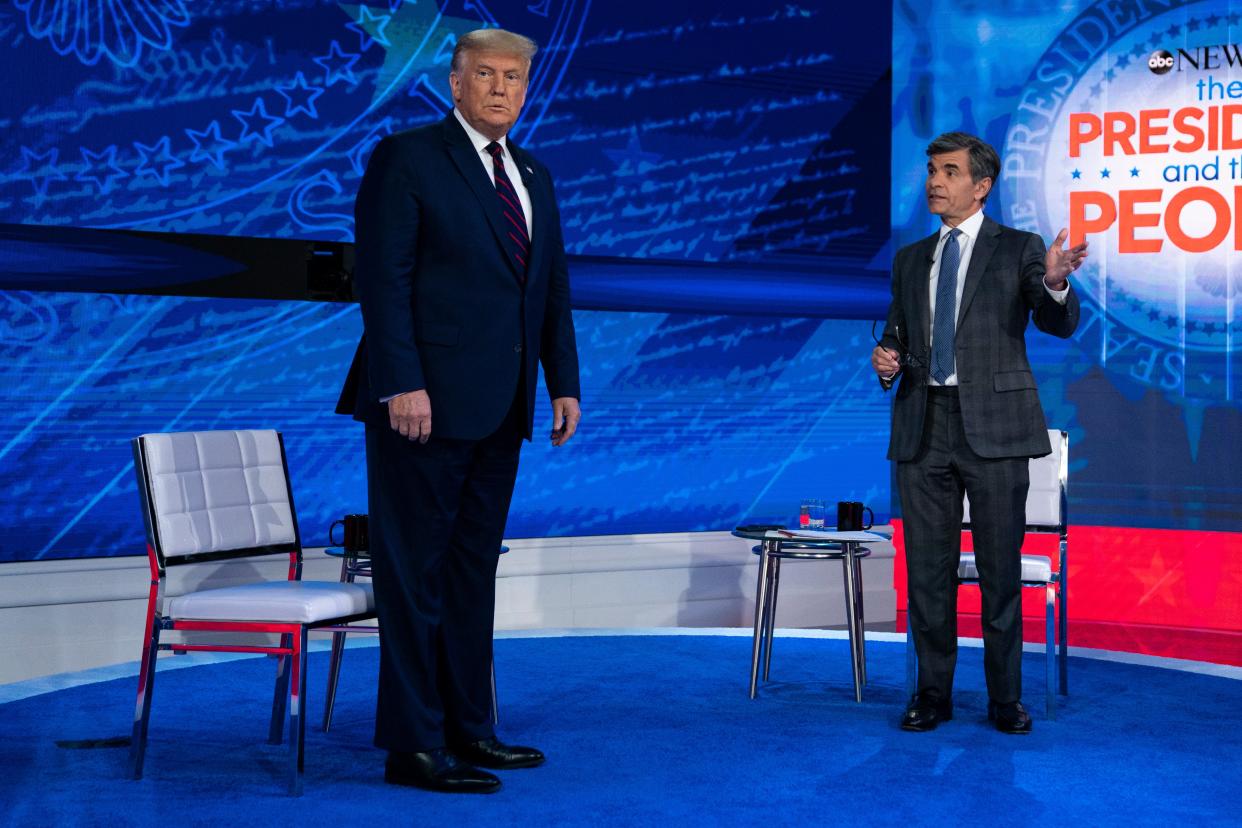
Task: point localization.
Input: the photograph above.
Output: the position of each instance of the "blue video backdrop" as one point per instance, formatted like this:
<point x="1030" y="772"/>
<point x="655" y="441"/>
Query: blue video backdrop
<point x="675" y="129"/>
<point x="691" y="422"/>
<point x="722" y="172"/>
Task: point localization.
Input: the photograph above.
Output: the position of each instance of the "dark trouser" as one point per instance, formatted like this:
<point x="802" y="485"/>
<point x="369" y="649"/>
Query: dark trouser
<point x="438" y="514"/>
<point x="931" y="487"/>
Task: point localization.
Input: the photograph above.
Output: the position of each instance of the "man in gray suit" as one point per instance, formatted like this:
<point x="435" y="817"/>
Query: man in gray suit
<point x="967" y="417"/>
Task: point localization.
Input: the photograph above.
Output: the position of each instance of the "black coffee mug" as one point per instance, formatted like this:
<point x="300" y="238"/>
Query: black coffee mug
<point x="355" y="537"/>
<point x="850" y="516"/>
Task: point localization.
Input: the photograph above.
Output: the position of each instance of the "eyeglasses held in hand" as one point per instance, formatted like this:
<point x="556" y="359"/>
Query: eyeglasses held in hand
<point x="904" y="357"/>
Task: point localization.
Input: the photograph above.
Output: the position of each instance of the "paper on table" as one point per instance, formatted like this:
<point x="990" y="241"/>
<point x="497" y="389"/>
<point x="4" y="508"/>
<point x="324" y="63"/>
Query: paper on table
<point x="825" y="535"/>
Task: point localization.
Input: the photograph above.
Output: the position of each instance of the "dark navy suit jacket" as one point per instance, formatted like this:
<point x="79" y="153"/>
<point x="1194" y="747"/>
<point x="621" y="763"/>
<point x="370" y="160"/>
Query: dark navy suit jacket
<point x="442" y="303"/>
<point x="1004" y="291"/>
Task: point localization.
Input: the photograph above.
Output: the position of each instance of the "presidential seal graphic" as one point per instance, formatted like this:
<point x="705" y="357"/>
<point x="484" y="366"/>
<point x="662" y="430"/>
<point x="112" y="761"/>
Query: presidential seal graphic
<point x="1129" y="132"/>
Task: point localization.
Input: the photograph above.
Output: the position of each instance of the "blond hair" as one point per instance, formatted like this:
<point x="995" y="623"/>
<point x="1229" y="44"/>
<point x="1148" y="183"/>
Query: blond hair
<point x="493" y="40"/>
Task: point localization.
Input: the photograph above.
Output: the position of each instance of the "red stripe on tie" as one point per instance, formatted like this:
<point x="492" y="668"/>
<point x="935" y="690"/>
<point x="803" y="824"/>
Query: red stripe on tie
<point x="521" y="261"/>
<point x="520" y="226"/>
<point x="503" y="178"/>
<point x="517" y="208"/>
<point x="521" y="244"/>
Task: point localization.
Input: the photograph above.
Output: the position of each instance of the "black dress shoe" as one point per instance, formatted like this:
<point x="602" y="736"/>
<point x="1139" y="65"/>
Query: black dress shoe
<point x="925" y="712"/>
<point x="1010" y="717"/>
<point x="494" y="754"/>
<point x="437" y="770"/>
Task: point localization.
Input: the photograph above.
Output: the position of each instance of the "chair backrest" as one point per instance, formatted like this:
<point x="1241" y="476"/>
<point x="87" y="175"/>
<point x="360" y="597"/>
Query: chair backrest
<point x="1046" y="500"/>
<point x="212" y="495"/>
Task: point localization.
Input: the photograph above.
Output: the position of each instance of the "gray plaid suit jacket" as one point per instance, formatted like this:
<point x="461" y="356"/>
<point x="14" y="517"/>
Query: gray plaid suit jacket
<point x="1004" y="290"/>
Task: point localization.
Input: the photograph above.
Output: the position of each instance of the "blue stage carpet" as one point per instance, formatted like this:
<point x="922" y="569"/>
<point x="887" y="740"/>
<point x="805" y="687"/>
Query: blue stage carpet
<point x="651" y="730"/>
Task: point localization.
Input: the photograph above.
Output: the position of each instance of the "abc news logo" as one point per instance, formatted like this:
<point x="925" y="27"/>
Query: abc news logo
<point x="1222" y="56"/>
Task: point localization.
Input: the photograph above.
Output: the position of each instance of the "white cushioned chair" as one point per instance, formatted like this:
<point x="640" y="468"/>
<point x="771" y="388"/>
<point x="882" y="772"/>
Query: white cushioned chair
<point x="1046" y="513"/>
<point x="212" y="496"/>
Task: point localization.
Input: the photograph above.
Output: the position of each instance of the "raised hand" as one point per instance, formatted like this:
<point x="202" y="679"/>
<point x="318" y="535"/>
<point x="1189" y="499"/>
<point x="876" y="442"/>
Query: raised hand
<point x="1060" y="262"/>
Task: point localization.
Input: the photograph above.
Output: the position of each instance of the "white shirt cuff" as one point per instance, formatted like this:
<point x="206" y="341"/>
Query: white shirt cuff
<point x="1058" y="295"/>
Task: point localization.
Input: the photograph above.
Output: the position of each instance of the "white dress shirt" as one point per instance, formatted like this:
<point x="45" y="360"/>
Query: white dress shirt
<point x="480" y="142"/>
<point x="966" y="245"/>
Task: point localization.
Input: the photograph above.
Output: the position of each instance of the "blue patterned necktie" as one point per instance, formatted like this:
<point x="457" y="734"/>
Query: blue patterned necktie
<point x="945" y="324"/>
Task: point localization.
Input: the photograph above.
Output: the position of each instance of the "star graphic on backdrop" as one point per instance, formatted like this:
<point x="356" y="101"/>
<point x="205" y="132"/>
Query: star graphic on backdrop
<point x="370" y="28"/>
<point x="210" y="145"/>
<point x="1153" y="314"/>
<point x="338" y="65"/>
<point x="1234" y="19"/>
<point x="1134" y="172"/>
<point x="157" y="161"/>
<point x="413" y="46"/>
<point x="1212" y="20"/>
<point x="1123" y="61"/>
<point x="1157" y="577"/>
<point x="257" y="124"/>
<point x="1076" y="174"/>
<point x="40" y="169"/>
<point x="1174" y="30"/>
<point x="1139" y="51"/>
<point x="1096" y="89"/>
<point x="102" y="169"/>
<point x="1111" y="74"/>
<point x="1192" y="25"/>
<point x="299" y="97"/>
<point x="631" y="160"/>
<point x="1104" y="173"/>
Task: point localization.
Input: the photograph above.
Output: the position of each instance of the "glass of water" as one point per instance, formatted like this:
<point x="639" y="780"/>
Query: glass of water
<point x="811" y="514"/>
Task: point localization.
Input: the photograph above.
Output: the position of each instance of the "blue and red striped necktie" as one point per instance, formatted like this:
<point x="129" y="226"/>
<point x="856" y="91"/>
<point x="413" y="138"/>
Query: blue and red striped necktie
<point x="511" y="206"/>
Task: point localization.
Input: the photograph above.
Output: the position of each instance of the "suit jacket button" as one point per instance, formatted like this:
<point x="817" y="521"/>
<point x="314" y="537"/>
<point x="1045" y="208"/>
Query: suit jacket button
<point x="517" y="349"/>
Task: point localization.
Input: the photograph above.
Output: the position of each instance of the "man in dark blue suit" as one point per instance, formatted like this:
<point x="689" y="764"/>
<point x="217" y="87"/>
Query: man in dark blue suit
<point x="463" y="283"/>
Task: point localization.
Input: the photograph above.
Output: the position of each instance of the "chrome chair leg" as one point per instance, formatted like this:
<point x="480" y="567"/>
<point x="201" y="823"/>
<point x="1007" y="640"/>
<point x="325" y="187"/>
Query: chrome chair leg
<point x="338" y="652"/>
<point x="1063" y="638"/>
<point x="1051" y="649"/>
<point x="761" y="590"/>
<point x="280" y="694"/>
<point x="334" y="676"/>
<point x="297" y="713"/>
<point x="774" y="585"/>
<point x="142" y="708"/>
<point x="851" y="618"/>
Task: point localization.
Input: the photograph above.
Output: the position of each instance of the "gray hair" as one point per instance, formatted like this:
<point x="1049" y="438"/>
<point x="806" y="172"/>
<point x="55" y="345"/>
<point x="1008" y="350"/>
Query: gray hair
<point x="493" y="40"/>
<point x="984" y="161"/>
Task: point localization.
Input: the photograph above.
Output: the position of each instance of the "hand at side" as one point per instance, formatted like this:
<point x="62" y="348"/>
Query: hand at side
<point x="410" y="415"/>
<point x="565" y="417"/>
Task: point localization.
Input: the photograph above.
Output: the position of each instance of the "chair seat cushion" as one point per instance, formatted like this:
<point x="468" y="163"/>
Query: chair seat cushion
<point x="1035" y="568"/>
<point x="284" y="601"/>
